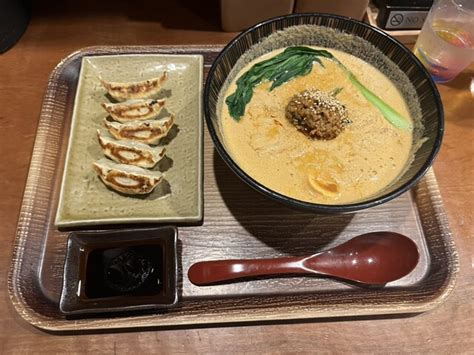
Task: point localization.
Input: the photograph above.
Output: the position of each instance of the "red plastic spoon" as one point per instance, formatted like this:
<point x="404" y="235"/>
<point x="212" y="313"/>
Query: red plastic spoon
<point x="372" y="258"/>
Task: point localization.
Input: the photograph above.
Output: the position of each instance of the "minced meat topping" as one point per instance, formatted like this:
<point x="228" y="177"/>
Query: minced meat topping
<point x="317" y="114"/>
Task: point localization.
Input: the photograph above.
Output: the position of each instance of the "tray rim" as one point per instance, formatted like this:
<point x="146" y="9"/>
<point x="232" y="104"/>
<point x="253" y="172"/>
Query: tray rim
<point x="29" y="314"/>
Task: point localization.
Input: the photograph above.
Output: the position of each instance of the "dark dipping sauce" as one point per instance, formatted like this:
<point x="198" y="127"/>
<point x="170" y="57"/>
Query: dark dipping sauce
<point x="120" y="270"/>
<point x="135" y="270"/>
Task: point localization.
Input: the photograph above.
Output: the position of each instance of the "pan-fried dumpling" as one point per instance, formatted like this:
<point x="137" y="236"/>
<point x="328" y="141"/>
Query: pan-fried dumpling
<point x="127" y="179"/>
<point x="132" y="110"/>
<point x="149" y="132"/>
<point x="135" y="90"/>
<point x="126" y="152"/>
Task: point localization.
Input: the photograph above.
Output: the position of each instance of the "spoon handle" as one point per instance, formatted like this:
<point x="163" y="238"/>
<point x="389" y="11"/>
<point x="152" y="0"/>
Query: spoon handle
<point x="210" y="272"/>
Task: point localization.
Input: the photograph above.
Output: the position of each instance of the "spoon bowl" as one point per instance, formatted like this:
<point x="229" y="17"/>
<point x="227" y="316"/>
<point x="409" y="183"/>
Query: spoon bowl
<point x="373" y="258"/>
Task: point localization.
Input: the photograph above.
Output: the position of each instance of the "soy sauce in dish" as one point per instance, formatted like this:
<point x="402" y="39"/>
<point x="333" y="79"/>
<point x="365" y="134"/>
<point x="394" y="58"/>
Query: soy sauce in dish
<point x="134" y="271"/>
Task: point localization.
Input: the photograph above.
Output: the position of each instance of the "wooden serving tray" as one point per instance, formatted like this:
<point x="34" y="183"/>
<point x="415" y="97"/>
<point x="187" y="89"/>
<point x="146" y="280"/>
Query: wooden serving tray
<point x="238" y="223"/>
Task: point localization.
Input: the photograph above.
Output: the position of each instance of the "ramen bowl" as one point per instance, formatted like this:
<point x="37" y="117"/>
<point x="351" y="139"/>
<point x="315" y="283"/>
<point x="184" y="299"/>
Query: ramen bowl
<point x="361" y="40"/>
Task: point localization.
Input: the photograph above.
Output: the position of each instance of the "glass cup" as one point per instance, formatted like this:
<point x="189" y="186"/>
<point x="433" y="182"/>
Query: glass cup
<point x="446" y="42"/>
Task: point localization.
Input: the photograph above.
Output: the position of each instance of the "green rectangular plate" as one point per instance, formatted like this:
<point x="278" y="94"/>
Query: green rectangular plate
<point x="84" y="199"/>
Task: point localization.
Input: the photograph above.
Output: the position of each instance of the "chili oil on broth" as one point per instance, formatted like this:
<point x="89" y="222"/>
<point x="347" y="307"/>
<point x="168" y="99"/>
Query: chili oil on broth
<point x="365" y="158"/>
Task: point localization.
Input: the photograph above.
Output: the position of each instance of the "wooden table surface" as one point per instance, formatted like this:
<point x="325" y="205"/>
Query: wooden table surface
<point x="61" y="27"/>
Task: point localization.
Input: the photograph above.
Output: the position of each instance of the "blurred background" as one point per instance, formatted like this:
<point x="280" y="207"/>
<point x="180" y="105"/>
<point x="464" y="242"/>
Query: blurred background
<point x="401" y="18"/>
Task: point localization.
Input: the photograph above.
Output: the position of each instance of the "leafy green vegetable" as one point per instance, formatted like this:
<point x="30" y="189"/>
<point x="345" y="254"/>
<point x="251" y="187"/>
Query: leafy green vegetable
<point x="335" y="92"/>
<point x="387" y="111"/>
<point x="294" y="62"/>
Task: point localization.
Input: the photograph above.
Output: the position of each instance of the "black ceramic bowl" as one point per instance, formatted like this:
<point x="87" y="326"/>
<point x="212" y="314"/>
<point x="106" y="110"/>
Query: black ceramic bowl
<point x="356" y="38"/>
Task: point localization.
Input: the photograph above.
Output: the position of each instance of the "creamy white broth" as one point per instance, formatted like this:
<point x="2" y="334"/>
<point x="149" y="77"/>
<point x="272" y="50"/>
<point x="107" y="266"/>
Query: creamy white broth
<point x="366" y="157"/>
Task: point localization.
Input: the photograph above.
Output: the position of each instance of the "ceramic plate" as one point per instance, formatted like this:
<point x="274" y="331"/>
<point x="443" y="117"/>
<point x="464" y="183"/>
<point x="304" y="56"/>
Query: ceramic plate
<point x="84" y="199"/>
<point x="157" y="245"/>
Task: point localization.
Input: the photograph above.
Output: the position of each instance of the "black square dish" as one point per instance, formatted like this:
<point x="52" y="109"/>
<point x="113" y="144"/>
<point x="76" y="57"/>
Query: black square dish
<point x="124" y="270"/>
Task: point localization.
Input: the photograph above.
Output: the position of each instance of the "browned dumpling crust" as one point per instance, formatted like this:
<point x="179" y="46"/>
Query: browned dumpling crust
<point x="134" y="110"/>
<point x="134" y="90"/>
<point x="127" y="179"/>
<point x="133" y="153"/>
<point x="149" y="132"/>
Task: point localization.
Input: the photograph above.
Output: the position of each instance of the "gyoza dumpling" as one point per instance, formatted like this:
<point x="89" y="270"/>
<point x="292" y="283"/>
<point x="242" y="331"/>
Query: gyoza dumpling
<point x="134" y="90"/>
<point x="149" y="132"/>
<point x="126" y="152"/>
<point x="127" y="179"/>
<point x="133" y="110"/>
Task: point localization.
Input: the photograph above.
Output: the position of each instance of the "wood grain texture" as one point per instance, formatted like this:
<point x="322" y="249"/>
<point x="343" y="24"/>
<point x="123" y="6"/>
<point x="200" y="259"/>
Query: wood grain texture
<point x="23" y="74"/>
